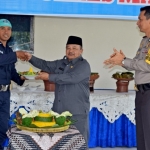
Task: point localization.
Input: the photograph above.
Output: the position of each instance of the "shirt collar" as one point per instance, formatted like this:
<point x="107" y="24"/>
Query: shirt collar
<point x="66" y="61"/>
<point x="76" y="59"/>
<point x="3" y="45"/>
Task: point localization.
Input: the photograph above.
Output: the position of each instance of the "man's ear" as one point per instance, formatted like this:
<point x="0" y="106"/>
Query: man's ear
<point x="81" y="51"/>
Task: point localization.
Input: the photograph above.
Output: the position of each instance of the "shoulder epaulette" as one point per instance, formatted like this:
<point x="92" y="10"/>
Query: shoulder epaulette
<point x="144" y="36"/>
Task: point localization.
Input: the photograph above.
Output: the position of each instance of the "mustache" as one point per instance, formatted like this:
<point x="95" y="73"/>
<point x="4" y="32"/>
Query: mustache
<point x="70" y="53"/>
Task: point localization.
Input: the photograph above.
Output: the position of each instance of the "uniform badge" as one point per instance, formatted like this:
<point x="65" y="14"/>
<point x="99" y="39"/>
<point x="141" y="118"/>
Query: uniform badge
<point x="71" y="66"/>
<point x="141" y="45"/>
<point x="137" y="53"/>
<point x="148" y="45"/>
<point x="147" y="58"/>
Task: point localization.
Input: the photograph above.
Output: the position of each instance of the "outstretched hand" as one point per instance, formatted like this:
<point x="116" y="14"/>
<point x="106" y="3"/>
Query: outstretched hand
<point x="115" y="51"/>
<point x="28" y="55"/>
<point x="24" y="56"/>
<point x="115" y="59"/>
<point x="21" y="55"/>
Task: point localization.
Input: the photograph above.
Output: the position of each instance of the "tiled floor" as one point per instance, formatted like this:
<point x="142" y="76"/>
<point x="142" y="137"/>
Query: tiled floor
<point x="116" y="148"/>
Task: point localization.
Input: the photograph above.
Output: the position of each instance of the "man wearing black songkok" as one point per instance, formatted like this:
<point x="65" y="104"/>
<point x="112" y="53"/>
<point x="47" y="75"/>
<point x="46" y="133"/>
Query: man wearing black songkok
<point x="71" y="77"/>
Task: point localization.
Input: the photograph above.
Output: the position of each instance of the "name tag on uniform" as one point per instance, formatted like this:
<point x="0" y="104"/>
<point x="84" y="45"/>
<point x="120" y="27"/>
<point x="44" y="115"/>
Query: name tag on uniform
<point x="145" y="51"/>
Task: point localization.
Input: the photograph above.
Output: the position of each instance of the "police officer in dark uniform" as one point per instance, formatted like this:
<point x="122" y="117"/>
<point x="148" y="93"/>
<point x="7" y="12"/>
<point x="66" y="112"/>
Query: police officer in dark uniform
<point x="8" y="72"/>
<point x="141" y="65"/>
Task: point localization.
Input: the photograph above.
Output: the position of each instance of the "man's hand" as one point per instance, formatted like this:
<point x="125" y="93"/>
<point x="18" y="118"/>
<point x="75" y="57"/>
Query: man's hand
<point x="42" y="76"/>
<point x="28" y="55"/>
<point x="24" y="56"/>
<point x="115" y="51"/>
<point x="21" y="55"/>
<point x="115" y="59"/>
<point x="23" y="78"/>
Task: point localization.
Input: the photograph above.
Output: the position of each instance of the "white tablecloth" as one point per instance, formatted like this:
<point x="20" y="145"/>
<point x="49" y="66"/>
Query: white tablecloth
<point x="109" y="102"/>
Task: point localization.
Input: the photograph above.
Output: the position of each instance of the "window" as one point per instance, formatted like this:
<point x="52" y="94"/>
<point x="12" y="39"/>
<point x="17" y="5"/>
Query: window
<point x="22" y="32"/>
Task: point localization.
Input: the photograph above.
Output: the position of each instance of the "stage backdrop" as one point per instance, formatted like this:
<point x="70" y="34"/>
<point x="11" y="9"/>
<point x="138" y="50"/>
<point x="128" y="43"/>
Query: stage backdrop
<point x="118" y="9"/>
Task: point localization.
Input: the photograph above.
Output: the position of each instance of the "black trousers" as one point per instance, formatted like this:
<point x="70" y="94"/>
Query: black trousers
<point x="4" y="115"/>
<point x="142" y="116"/>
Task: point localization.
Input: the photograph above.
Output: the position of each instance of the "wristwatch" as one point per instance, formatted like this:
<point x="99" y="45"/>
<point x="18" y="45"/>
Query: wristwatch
<point x="123" y="60"/>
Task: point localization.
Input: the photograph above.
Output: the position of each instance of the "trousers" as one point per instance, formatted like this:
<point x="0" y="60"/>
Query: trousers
<point x="82" y="124"/>
<point x="142" y="117"/>
<point x="143" y="87"/>
<point x="4" y="115"/>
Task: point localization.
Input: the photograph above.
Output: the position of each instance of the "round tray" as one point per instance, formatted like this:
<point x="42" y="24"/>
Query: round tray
<point x="59" y="129"/>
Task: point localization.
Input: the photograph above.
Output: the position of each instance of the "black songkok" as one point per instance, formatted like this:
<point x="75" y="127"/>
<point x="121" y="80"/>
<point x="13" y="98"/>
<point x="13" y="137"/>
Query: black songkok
<point x="74" y="40"/>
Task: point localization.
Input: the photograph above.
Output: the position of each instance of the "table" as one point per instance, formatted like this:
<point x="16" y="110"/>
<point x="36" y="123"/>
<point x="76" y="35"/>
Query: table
<point x="26" y="140"/>
<point x="112" y="115"/>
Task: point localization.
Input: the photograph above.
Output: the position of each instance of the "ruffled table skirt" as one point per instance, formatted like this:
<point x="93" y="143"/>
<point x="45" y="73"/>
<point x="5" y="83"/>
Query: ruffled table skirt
<point x="121" y="133"/>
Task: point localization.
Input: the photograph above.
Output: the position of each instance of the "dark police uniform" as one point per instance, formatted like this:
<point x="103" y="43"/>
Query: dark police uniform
<point x="142" y="100"/>
<point x="72" y="87"/>
<point x="7" y="73"/>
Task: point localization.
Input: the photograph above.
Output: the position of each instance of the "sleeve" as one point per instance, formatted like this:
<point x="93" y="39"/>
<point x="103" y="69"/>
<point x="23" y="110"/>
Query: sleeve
<point x="9" y="58"/>
<point x="47" y="66"/>
<point x="137" y="65"/>
<point x="15" y="76"/>
<point x="81" y="72"/>
<point x="127" y="68"/>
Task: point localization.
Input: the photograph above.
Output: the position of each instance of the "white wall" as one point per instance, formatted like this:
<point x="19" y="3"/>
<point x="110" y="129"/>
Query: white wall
<point x="99" y="36"/>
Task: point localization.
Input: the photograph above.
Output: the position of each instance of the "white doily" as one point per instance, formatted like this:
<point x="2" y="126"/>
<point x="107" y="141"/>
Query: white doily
<point x="114" y="105"/>
<point x="31" y="100"/>
<point x="110" y="103"/>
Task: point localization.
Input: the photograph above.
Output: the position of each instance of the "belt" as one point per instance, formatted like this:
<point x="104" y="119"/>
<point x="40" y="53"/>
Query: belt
<point x="142" y="87"/>
<point x="4" y="87"/>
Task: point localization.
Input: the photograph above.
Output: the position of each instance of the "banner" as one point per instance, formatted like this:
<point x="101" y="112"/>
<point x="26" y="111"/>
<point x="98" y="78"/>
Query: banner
<point x="118" y="9"/>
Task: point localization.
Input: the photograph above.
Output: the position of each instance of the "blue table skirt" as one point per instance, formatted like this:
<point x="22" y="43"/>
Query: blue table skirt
<point x="121" y="133"/>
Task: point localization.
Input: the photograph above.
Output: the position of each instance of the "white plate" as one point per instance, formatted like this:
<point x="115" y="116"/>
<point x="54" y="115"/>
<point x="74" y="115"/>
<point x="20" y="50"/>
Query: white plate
<point x="30" y="77"/>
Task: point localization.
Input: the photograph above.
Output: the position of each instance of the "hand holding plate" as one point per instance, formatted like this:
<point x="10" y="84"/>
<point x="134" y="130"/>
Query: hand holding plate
<point x="42" y="76"/>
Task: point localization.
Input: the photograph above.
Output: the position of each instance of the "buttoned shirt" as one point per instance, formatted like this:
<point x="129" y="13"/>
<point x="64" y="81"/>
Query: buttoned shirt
<point x="142" y="69"/>
<point x="71" y="80"/>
